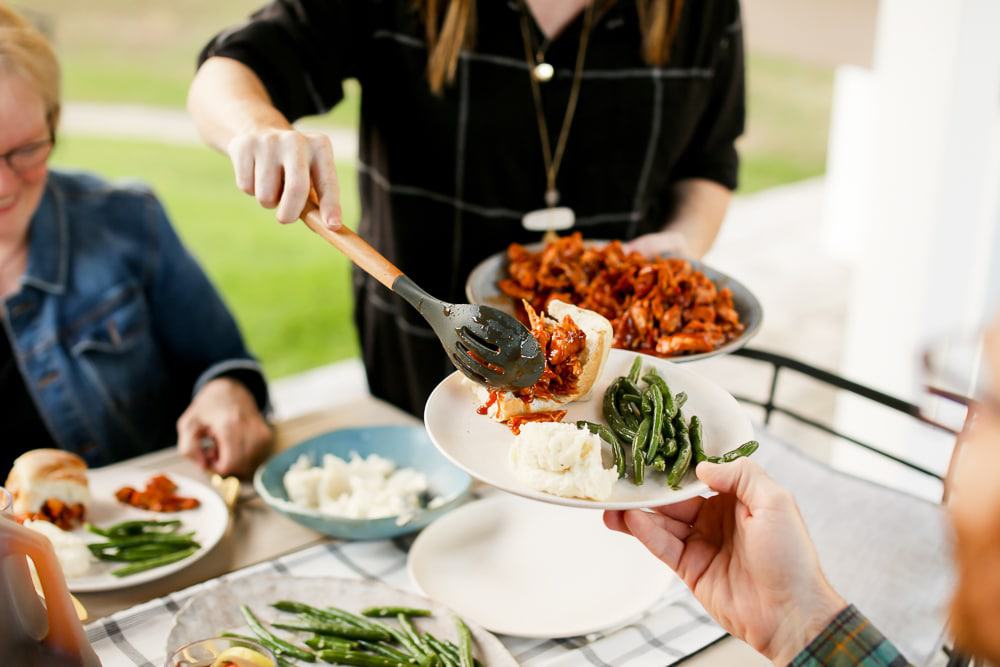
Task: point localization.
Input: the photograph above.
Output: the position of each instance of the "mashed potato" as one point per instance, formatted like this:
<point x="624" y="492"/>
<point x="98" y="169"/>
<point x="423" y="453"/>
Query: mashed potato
<point x="563" y="460"/>
<point x="72" y="552"/>
<point x="361" y="488"/>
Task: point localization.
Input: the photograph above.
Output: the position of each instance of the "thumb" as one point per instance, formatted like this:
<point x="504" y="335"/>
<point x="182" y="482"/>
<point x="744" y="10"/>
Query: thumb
<point x="190" y="430"/>
<point x="742" y="478"/>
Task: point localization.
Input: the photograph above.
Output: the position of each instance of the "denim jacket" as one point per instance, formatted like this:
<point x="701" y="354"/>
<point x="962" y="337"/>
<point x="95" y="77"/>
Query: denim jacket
<point x="115" y="326"/>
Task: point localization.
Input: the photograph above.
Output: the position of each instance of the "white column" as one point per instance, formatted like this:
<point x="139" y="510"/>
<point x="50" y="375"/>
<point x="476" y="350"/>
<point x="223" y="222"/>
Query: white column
<point x="927" y="240"/>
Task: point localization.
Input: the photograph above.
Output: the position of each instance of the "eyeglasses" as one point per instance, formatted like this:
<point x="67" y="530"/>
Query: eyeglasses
<point x="27" y="157"/>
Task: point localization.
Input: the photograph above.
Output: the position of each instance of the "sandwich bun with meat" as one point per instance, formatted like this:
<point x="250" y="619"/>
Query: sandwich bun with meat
<point x="576" y="344"/>
<point x="49" y="484"/>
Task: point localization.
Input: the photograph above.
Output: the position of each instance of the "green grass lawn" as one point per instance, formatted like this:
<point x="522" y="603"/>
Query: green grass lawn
<point x="288" y="288"/>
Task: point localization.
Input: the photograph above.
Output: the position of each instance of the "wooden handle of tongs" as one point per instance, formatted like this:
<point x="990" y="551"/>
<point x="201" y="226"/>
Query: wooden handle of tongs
<point x="352" y="245"/>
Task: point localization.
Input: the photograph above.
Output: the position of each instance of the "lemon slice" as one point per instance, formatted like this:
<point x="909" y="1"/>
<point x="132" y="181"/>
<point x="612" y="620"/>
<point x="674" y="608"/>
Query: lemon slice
<point x="243" y="657"/>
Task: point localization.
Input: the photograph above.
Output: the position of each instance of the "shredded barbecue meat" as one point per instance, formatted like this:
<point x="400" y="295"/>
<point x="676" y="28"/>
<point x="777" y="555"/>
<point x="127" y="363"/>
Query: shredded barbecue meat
<point x="64" y="515"/>
<point x="660" y="306"/>
<point x="159" y="496"/>
<point x="562" y="343"/>
<point x="514" y="423"/>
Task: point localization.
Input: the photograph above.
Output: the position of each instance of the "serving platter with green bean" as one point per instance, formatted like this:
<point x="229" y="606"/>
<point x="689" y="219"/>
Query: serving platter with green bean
<point x="369" y="639"/>
<point x="647" y="428"/>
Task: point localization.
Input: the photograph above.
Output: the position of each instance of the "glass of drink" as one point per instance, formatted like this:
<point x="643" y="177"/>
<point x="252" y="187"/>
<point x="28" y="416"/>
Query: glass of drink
<point x="222" y="652"/>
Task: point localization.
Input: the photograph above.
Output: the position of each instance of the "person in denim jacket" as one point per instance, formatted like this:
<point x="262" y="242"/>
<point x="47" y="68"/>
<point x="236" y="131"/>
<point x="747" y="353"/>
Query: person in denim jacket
<point x="113" y="341"/>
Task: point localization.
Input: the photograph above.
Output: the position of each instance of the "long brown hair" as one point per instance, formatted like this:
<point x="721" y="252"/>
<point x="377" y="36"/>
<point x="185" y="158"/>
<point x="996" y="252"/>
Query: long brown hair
<point x="450" y="26"/>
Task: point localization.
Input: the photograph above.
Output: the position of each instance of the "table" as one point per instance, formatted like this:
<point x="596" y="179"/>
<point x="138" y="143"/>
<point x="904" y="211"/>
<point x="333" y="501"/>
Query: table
<point x="264" y="534"/>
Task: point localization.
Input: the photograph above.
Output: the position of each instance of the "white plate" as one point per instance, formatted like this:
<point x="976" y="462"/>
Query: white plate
<point x="479" y="445"/>
<point x="217" y="610"/>
<point x="529" y="570"/>
<point x="208" y="521"/>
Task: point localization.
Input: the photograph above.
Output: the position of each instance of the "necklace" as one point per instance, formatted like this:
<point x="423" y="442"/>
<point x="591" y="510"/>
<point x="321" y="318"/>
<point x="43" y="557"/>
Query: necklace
<point x="553" y="217"/>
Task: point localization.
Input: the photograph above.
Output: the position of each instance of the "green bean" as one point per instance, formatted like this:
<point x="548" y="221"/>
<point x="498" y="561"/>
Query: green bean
<point x="612" y="416"/>
<point x="659" y="463"/>
<point x="647" y="404"/>
<point x="150" y="563"/>
<point x="638" y="451"/>
<point x="669" y="448"/>
<point x="680" y="399"/>
<point x="320" y="642"/>
<point x="103" y="532"/>
<point x="328" y="614"/>
<point x="306" y="610"/>
<point x="336" y="630"/>
<point x="681" y="463"/>
<point x="631" y="414"/>
<point x="628" y="387"/>
<point x="157" y="538"/>
<point x="447" y="657"/>
<point x="746" y="449"/>
<point x="668" y="423"/>
<point x="126" y="528"/>
<point x="453" y="651"/>
<point x="138" y="553"/>
<point x="415" y="637"/>
<point x="387" y="651"/>
<point x="656" y="437"/>
<point x="465" y="658"/>
<point x="697" y="443"/>
<point x="633" y="373"/>
<point x="404" y="640"/>
<point x="286" y="647"/>
<point x="608" y="436"/>
<point x="631" y="400"/>
<point x="653" y="378"/>
<point x="359" y="659"/>
<point x="392" y="612"/>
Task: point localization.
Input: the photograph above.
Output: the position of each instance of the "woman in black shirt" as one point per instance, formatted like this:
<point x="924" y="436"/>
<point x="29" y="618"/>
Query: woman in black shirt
<point x="624" y="113"/>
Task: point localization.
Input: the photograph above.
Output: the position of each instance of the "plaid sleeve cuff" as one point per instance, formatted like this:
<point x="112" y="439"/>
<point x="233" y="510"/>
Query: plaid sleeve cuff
<point x="848" y="641"/>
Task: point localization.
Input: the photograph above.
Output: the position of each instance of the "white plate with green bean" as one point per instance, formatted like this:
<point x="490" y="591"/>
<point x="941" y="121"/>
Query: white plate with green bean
<point x="479" y="445"/>
<point x="205" y="525"/>
<point x="316" y="619"/>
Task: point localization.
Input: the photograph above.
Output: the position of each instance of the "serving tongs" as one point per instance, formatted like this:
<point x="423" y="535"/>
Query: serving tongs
<point x="488" y="345"/>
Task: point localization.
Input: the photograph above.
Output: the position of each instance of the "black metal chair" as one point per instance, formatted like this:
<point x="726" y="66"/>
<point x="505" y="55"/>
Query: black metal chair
<point x="770" y="406"/>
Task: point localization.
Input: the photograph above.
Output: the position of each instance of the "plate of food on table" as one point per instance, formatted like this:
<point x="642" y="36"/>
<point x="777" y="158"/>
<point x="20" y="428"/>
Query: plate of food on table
<point x="668" y="307"/>
<point x="330" y="620"/>
<point x="114" y="527"/>
<point x="602" y="428"/>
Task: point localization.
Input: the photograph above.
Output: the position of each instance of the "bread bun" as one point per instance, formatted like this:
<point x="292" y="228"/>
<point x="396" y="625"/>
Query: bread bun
<point x="599" y="338"/>
<point x="42" y="474"/>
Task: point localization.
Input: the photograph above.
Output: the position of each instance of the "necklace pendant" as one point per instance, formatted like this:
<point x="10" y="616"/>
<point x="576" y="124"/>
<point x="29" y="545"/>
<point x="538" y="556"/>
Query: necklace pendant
<point x="543" y="72"/>
<point x="556" y="218"/>
<point x="551" y="197"/>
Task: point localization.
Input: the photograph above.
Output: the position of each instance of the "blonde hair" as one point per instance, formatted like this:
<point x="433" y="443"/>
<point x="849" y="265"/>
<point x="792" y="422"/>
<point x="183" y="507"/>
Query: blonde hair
<point x="25" y="51"/>
<point x="448" y="35"/>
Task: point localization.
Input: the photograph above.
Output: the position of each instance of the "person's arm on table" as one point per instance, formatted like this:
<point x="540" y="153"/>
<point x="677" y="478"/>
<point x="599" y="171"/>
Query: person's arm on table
<point x="747" y="557"/>
<point x="207" y="353"/>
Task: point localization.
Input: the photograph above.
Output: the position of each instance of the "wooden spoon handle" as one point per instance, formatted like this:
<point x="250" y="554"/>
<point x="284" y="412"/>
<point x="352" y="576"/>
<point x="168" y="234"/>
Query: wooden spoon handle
<point x="352" y="245"/>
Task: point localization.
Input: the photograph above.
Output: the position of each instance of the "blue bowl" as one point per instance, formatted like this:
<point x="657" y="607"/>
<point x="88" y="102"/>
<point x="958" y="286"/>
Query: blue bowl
<point x="406" y="446"/>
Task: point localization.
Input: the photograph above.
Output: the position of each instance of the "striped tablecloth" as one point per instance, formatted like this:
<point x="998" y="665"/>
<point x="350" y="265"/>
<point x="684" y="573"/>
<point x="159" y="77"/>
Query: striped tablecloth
<point x="673" y="629"/>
